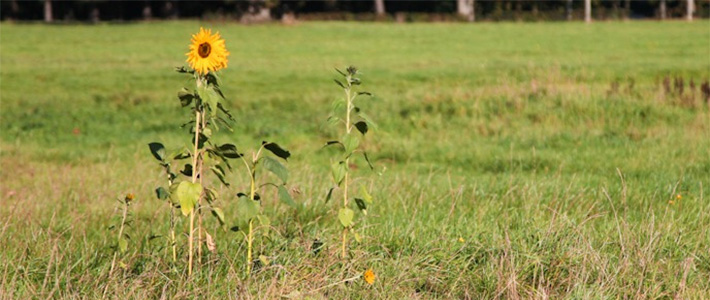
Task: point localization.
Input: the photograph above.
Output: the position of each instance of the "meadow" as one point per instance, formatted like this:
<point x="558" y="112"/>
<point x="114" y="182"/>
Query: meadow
<point x="513" y="160"/>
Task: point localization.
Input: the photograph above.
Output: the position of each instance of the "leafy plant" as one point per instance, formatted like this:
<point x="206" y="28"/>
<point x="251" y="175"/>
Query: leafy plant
<point x="208" y="114"/>
<point x="357" y="124"/>
<point x="249" y="204"/>
<point x="122" y="238"/>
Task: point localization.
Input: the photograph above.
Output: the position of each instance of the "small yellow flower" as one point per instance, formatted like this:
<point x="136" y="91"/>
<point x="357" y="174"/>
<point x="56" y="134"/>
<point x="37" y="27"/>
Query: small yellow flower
<point x="369" y="276"/>
<point x="678" y="197"/>
<point x="671" y="202"/>
<point x="130" y="196"/>
<point x="461" y="240"/>
<point x="207" y="52"/>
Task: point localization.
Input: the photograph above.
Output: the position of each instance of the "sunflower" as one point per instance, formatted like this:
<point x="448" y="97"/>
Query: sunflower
<point x="207" y="52"/>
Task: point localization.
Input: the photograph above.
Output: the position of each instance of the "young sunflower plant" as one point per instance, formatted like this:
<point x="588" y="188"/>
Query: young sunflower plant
<point x="346" y="112"/>
<point x="201" y="154"/>
<point x="249" y="214"/>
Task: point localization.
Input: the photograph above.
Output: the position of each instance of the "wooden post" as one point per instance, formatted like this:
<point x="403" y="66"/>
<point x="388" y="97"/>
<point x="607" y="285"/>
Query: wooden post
<point x="568" y="8"/>
<point x="588" y="11"/>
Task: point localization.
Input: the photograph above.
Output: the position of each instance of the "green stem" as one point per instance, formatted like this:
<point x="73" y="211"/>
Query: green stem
<point x="172" y="232"/>
<point x="250" y="236"/>
<point x="250" y="239"/>
<point x="120" y="233"/>
<point x="347" y="166"/>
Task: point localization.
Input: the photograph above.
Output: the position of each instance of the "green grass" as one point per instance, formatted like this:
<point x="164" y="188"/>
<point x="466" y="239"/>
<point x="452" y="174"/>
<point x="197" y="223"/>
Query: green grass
<point x="508" y="136"/>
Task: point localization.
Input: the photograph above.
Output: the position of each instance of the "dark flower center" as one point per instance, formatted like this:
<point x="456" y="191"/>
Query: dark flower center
<point x="204" y="50"/>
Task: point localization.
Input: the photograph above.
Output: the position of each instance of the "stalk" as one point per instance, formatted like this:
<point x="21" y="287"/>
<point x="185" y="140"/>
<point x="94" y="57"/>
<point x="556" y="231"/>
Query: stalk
<point x="172" y="220"/>
<point x="347" y="166"/>
<point x="199" y="205"/>
<point x="250" y="237"/>
<point x="120" y="233"/>
<point x="198" y="114"/>
<point x="172" y="232"/>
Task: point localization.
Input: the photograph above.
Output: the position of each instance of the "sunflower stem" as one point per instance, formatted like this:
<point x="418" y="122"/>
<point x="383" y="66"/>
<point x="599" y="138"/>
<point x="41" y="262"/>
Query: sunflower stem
<point x="347" y="164"/>
<point x="195" y="156"/>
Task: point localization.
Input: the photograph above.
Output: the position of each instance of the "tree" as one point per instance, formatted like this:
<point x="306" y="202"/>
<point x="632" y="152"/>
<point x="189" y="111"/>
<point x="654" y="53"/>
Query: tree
<point x="466" y="9"/>
<point x="380" y="7"/>
<point x="588" y="11"/>
<point x="627" y="9"/>
<point x="690" y="7"/>
<point x="569" y="10"/>
<point x="662" y="9"/>
<point x="48" y="11"/>
<point x="147" y="11"/>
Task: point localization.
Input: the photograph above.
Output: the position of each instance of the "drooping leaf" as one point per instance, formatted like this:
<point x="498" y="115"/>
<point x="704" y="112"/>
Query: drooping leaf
<point x="219" y="171"/>
<point x="337" y="108"/>
<point x="219" y="214"/>
<point x="366" y="118"/>
<point x="187" y="170"/>
<point x="285" y="197"/>
<point x="210" y="195"/>
<point x="329" y="195"/>
<point x="364" y="93"/>
<point x="182" y="69"/>
<point x="161" y="193"/>
<point x="361" y="126"/>
<point x="201" y="139"/>
<point x="365" y="195"/>
<point x="338" y="170"/>
<point x="333" y="120"/>
<point x="339" y="83"/>
<point x="210" y="96"/>
<point x="213" y="79"/>
<point x="158" y="151"/>
<point x="350" y="141"/>
<point x="345" y="215"/>
<point x="181" y="154"/>
<point x="185" y="97"/>
<point x="361" y="205"/>
<point x="224" y="123"/>
<point x="229" y="151"/>
<point x="256" y="196"/>
<point x="369" y="163"/>
<point x="275" y="167"/>
<point x="276" y="150"/>
<point x="188" y="193"/>
<point x="341" y="72"/>
<point x="225" y="111"/>
<point x="328" y="143"/>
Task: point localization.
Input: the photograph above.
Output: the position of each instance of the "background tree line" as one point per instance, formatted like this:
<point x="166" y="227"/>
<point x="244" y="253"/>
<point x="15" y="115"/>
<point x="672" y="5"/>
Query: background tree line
<point x="265" y="10"/>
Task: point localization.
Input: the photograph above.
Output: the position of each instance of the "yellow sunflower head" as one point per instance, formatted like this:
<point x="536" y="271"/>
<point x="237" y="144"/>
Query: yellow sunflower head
<point x="207" y="52"/>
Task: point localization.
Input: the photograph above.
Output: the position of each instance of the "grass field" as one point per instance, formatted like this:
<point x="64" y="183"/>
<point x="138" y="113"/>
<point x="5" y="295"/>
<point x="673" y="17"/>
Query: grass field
<point x="537" y="160"/>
